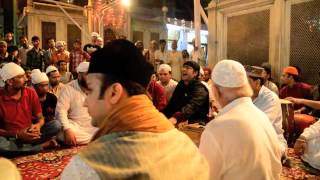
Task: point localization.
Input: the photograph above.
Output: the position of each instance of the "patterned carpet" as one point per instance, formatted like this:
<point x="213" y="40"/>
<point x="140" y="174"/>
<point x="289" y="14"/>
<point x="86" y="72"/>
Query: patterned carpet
<point x="49" y="165"/>
<point x="298" y="170"/>
<point x="46" y="165"/>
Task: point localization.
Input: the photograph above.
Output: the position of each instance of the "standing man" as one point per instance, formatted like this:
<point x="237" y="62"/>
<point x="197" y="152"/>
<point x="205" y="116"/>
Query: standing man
<point x="197" y="54"/>
<point x="60" y="54"/>
<point x="4" y="55"/>
<point x="35" y="57"/>
<point x="152" y="50"/>
<point x="9" y="38"/>
<point x="24" y="49"/>
<point x="175" y="61"/>
<point x="240" y="143"/>
<point x="161" y="55"/>
<point x="77" y="56"/>
<point x="50" y="51"/>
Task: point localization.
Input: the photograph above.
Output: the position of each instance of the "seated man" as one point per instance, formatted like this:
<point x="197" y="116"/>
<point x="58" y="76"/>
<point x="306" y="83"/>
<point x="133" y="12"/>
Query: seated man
<point x="308" y="144"/>
<point x="190" y="99"/>
<point x="75" y="119"/>
<point x="18" y="106"/>
<point x="55" y="85"/>
<point x="9" y="170"/>
<point x="135" y="140"/>
<point x="157" y="95"/>
<point x="267" y="78"/>
<point x="65" y="76"/>
<point x="295" y="88"/>
<point x="48" y="101"/>
<point x="240" y="143"/>
<point x="166" y="81"/>
<point x="268" y="102"/>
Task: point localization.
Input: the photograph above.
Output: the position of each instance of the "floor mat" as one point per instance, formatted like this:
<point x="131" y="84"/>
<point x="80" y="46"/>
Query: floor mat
<point x="298" y="170"/>
<point x="49" y="165"/>
<point x="46" y="165"/>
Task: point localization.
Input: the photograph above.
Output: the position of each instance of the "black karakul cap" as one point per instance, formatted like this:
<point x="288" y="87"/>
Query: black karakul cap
<point x="121" y="59"/>
<point x="195" y="66"/>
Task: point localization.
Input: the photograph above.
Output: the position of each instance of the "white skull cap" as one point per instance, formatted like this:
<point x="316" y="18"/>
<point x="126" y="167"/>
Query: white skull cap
<point x="230" y="74"/>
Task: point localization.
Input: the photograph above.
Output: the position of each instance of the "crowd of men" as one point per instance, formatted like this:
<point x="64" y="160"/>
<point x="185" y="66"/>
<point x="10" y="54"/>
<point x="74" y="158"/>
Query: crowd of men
<point x="125" y="101"/>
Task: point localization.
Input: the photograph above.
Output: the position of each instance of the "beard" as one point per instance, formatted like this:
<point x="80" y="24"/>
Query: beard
<point x="54" y="83"/>
<point x="83" y="83"/>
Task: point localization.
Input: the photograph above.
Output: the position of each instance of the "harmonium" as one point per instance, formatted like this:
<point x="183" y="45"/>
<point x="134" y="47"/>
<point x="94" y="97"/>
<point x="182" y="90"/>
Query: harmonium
<point x="194" y="131"/>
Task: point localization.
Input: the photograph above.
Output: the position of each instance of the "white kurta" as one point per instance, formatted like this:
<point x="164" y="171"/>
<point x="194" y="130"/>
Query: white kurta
<point x="169" y="88"/>
<point x="241" y="144"/>
<point x="175" y="61"/>
<point x="161" y="56"/>
<point x="272" y="86"/>
<point x="198" y="56"/>
<point x="57" y="90"/>
<point x="73" y="115"/>
<point x="269" y="103"/>
<point x="312" y="152"/>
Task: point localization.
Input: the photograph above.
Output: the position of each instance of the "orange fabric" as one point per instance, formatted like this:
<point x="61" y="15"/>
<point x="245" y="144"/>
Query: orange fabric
<point x="57" y="56"/>
<point x="302" y="121"/>
<point x="291" y="70"/>
<point x="137" y="113"/>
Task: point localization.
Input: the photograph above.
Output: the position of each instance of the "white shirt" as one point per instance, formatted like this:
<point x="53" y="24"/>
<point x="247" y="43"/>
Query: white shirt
<point x="269" y="103"/>
<point x="72" y="114"/>
<point x="174" y="59"/>
<point x="241" y="144"/>
<point x="161" y="55"/>
<point x="272" y="86"/>
<point x="169" y="88"/>
<point x="198" y="56"/>
<point x="312" y="151"/>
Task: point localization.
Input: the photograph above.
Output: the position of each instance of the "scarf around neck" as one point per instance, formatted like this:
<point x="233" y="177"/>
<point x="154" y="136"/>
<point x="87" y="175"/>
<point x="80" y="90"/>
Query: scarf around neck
<point x="136" y="113"/>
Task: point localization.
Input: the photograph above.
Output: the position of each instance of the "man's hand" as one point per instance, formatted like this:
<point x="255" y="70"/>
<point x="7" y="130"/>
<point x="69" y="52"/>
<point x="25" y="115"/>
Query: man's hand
<point x="27" y="136"/>
<point x="294" y="100"/>
<point x="70" y="138"/>
<point x="35" y="128"/>
<point x="300" y="146"/>
<point x="173" y="120"/>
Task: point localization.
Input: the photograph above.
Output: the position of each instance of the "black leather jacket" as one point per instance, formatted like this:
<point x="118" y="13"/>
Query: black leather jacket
<point x="189" y="102"/>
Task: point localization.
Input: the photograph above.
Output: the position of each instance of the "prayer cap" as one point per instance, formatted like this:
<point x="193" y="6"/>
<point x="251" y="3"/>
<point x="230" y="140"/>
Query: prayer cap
<point x="11" y="70"/>
<point x="37" y="77"/>
<point x="291" y="70"/>
<point x="165" y="67"/>
<point x="230" y="74"/>
<point x="50" y="69"/>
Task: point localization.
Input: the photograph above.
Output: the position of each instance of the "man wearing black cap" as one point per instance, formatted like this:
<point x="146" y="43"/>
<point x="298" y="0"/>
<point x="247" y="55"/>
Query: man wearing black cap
<point x="268" y="102"/>
<point x="267" y="78"/>
<point x="190" y="100"/>
<point x="132" y="140"/>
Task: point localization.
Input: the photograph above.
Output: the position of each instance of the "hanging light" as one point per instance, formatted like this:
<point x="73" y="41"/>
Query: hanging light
<point x="126" y="3"/>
